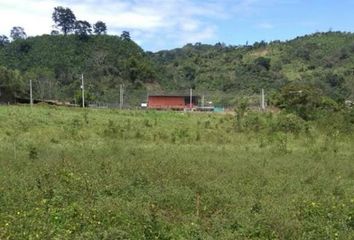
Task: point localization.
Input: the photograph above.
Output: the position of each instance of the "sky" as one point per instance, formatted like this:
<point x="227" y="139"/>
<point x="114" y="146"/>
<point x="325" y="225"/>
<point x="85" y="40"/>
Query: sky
<point x="166" y="24"/>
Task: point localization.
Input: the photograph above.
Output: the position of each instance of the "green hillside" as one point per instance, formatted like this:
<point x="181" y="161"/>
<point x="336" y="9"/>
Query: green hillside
<point x="322" y="59"/>
<point x="55" y="62"/>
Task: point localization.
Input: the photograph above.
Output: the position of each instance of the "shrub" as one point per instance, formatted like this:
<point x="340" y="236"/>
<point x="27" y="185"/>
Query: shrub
<point x="349" y="116"/>
<point x="241" y="109"/>
<point x="255" y="122"/>
<point x="263" y="62"/>
<point x="112" y="129"/>
<point x="301" y="99"/>
<point x="329" y="104"/>
<point x="290" y="123"/>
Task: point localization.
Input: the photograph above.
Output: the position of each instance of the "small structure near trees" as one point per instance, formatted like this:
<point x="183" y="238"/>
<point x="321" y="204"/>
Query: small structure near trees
<point x="173" y="102"/>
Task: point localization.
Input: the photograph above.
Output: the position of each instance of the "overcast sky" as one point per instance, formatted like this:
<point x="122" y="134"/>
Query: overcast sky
<point x="166" y="24"/>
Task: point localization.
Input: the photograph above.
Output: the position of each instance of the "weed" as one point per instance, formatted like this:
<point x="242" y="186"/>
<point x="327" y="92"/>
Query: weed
<point x="33" y="153"/>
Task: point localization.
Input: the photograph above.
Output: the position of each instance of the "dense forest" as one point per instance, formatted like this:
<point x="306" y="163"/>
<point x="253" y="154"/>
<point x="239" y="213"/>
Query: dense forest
<point x="322" y="63"/>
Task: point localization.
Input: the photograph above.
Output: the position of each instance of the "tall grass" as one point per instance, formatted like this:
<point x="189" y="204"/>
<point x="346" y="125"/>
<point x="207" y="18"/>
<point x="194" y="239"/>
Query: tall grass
<point x="105" y="174"/>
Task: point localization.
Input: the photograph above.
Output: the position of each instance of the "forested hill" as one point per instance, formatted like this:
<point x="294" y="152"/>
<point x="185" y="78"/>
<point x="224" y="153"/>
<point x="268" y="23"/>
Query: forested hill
<point x="55" y="63"/>
<point x="325" y="60"/>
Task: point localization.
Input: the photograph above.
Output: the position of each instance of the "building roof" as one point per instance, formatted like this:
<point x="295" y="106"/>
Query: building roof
<point x="173" y="95"/>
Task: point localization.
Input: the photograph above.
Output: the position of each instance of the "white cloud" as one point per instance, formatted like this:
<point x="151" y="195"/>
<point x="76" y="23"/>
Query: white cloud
<point x="148" y="17"/>
<point x="34" y="16"/>
<point x="160" y="23"/>
<point x="190" y="25"/>
<point x="204" y="34"/>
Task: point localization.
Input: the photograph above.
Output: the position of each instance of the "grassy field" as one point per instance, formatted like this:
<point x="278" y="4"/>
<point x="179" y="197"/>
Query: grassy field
<point x="104" y="174"/>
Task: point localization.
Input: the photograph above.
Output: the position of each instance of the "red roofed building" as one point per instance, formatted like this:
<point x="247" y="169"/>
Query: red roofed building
<point x="173" y="102"/>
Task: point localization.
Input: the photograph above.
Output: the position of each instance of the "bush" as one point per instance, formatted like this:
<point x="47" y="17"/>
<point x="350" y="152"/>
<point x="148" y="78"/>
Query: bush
<point x="263" y="62"/>
<point x="240" y="111"/>
<point x="329" y="104"/>
<point x="290" y="123"/>
<point x="349" y="116"/>
<point x="301" y="99"/>
<point x="255" y="122"/>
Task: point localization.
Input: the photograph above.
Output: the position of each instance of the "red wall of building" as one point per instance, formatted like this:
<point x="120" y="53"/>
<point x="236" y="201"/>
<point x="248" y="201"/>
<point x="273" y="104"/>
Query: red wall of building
<point x="166" y="102"/>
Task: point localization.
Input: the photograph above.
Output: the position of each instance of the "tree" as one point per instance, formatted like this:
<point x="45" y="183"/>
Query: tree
<point x="64" y="19"/>
<point x="240" y="110"/>
<point x="54" y="33"/>
<point x="83" y="28"/>
<point x="45" y="86"/>
<point x="263" y="62"/>
<point x="133" y="69"/>
<point x="336" y="87"/>
<point x="89" y="97"/>
<point x="261" y="44"/>
<point x="302" y="99"/>
<point x="4" y="40"/>
<point x="11" y="82"/>
<point x="125" y="36"/>
<point x="18" y="33"/>
<point x="100" y="28"/>
<point x="190" y="73"/>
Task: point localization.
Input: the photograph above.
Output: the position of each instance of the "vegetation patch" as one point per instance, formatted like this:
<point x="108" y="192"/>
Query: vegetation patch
<point x="88" y="174"/>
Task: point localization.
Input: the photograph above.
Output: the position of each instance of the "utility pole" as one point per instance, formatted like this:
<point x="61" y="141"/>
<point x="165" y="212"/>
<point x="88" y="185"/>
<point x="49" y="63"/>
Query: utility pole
<point x="190" y="99"/>
<point x="31" y="94"/>
<point x="203" y="100"/>
<point x="263" y="107"/>
<point x="121" y="97"/>
<point x="83" y="90"/>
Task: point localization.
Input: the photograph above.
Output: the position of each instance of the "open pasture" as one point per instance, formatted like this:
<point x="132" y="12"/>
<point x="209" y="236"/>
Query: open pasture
<point x="107" y="174"/>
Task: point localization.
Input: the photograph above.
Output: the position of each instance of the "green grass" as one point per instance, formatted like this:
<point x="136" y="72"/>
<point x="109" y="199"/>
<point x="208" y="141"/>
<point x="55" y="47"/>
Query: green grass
<point x="103" y="174"/>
